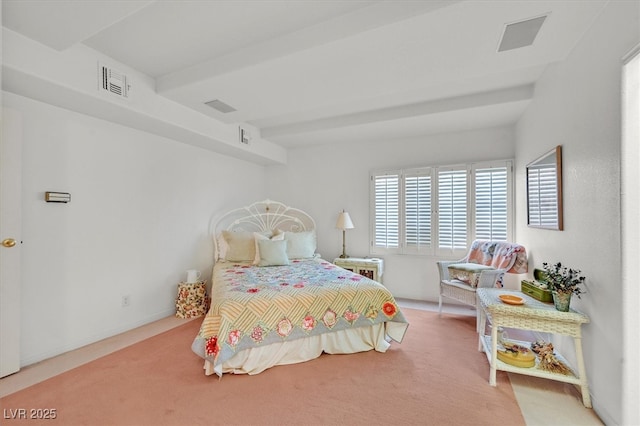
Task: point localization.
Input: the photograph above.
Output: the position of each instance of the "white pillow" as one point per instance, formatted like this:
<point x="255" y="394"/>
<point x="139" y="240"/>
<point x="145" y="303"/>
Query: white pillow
<point x="301" y="245"/>
<point x="260" y="236"/>
<point x="273" y="252"/>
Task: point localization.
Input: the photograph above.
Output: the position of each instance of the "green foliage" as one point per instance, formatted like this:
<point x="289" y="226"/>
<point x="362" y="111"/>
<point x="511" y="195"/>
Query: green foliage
<point x="562" y="279"/>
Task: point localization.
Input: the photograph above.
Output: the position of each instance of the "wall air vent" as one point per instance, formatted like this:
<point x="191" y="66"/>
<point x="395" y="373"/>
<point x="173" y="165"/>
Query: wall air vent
<point x="218" y="105"/>
<point x="520" y="34"/>
<point x="113" y="81"/>
<point x="245" y="136"/>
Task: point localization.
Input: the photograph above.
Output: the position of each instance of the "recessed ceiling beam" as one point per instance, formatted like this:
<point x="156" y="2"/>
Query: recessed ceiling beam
<point x="495" y="97"/>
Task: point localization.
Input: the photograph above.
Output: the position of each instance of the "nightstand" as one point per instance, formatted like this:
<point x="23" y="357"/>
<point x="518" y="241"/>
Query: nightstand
<point x="365" y="266"/>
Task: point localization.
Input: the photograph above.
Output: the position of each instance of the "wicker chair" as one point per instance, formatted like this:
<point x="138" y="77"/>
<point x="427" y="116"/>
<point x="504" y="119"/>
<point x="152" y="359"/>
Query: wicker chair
<point x="492" y="259"/>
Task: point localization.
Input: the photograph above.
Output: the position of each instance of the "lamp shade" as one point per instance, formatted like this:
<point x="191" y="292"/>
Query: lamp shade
<point x="344" y="221"/>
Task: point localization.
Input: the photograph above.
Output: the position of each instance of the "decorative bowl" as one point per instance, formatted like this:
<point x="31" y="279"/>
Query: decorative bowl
<point x="511" y="299"/>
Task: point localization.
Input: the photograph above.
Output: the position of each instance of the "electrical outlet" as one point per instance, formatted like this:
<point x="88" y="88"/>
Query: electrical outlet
<point x="125" y="301"/>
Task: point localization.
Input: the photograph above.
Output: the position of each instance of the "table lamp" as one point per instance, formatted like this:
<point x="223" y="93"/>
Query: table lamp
<point x="344" y="223"/>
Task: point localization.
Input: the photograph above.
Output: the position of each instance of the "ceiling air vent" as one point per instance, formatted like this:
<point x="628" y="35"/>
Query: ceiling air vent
<point x="113" y="81"/>
<point x="520" y="34"/>
<point x="218" y="105"/>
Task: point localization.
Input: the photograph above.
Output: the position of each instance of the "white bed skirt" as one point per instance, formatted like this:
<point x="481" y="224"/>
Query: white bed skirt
<point x="256" y="360"/>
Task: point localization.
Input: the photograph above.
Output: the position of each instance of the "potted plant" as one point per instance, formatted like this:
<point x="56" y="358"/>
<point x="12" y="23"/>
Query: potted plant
<point x="563" y="283"/>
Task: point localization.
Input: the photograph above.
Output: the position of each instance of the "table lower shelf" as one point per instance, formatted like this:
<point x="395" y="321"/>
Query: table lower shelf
<point x="535" y="371"/>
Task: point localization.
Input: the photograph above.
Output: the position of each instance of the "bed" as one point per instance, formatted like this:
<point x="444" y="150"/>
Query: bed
<point x="275" y="301"/>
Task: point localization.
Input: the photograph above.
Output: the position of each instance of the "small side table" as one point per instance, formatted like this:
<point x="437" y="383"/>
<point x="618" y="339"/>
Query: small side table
<point x="192" y="300"/>
<point x="535" y="316"/>
<point x="369" y="267"/>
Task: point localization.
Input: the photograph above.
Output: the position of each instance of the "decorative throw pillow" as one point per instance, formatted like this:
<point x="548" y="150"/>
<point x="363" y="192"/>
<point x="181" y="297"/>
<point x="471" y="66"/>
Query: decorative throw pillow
<point x="223" y="247"/>
<point x="273" y="253"/>
<point x="240" y="246"/>
<point x="468" y="273"/>
<point x="301" y="245"/>
<point x="259" y="236"/>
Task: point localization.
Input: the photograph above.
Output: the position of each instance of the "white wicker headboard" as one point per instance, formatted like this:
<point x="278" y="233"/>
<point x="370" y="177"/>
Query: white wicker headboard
<point x="264" y="215"/>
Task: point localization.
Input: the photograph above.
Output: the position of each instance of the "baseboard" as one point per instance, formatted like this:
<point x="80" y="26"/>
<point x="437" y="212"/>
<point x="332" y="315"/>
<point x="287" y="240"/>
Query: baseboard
<point x="59" y="350"/>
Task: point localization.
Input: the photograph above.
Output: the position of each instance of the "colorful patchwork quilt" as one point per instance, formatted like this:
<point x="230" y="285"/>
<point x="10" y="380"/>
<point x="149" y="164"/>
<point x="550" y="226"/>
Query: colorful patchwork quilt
<point x="252" y="306"/>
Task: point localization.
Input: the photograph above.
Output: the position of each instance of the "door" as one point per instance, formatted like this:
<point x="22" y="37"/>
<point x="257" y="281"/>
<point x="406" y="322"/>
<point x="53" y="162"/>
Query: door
<point x="10" y="237"/>
<point x="630" y="203"/>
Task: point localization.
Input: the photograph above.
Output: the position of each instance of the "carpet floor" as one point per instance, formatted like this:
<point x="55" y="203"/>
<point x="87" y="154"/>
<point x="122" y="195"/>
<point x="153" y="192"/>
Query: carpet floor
<point x="435" y="377"/>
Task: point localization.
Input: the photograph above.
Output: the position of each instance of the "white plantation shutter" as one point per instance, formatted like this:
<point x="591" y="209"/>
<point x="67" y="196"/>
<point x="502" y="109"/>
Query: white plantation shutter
<point x="491" y="202"/>
<point x="439" y="210"/>
<point x="386" y="218"/>
<point x="417" y="210"/>
<point x="452" y="209"/>
<point x="543" y="191"/>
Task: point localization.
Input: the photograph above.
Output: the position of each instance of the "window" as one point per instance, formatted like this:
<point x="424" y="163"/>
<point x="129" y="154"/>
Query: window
<point x="387" y="211"/>
<point x="439" y="210"/>
<point x="491" y="203"/>
<point x="417" y="211"/>
<point x="452" y="209"/>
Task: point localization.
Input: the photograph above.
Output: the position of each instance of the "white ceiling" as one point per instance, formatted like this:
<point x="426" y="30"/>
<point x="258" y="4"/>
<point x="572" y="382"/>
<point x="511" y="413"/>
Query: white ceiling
<point x="313" y="72"/>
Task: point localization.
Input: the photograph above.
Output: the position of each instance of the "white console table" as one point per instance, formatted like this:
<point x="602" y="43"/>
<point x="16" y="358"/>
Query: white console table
<point x="533" y="315"/>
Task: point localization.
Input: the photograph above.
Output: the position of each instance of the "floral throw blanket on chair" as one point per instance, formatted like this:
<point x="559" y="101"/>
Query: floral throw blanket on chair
<point x="499" y="254"/>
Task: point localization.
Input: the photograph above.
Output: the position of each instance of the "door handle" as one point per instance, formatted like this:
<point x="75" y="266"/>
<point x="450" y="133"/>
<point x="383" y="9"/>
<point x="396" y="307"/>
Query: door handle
<point x="9" y="242"/>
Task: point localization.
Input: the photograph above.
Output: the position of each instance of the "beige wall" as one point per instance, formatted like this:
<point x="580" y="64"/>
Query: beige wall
<point x="138" y="219"/>
<point x="577" y="105"/>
